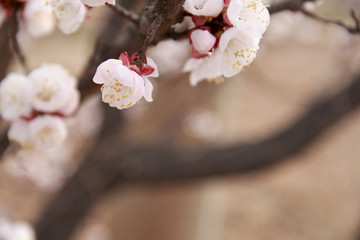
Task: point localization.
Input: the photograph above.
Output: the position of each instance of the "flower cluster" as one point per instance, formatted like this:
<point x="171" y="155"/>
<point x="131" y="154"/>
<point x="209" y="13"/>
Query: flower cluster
<point x="225" y="37"/>
<point x="124" y="84"/>
<point x="15" y="230"/>
<point x="36" y="104"/>
<point x="39" y="16"/>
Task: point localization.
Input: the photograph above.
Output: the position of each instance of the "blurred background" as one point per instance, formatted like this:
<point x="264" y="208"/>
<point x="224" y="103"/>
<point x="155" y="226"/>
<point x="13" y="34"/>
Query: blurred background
<point x="315" y="196"/>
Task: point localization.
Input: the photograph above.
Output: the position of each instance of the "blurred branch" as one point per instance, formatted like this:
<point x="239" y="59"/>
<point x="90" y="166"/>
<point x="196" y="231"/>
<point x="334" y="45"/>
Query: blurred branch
<point x="5" y="49"/>
<point x="298" y="6"/>
<point x="291" y="5"/>
<point x="168" y="163"/>
<point x="353" y="30"/>
<point x="129" y="15"/>
<point x="13" y="30"/>
<point x="111" y="163"/>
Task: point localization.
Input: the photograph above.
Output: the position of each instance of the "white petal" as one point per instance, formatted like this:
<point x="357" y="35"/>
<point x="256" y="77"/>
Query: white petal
<point x="148" y="90"/>
<point x="14" y="100"/>
<point x="202" y="40"/>
<point x="19" y="132"/>
<point x="211" y="8"/>
<point x="118" y="95"/>
<point x="38" y="18"/>
<point x="71" y="104"/>
<point x="152" y="64"/>
<point x="97" y="3"/>
<point x="66" y="9"/>
<point x="73" y="23"/>
<point x="204" y="68"/>
<point x="249" y="12"/>
<point x="238" y="50"/>
<point x="47" y="132"/>
<point x="114" y="69"/>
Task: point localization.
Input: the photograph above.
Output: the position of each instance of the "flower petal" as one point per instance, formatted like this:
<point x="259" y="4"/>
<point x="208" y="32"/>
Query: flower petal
<point x="153" y="65"/>
<point x="114" y="69"/>
<point x="250" y="13"/>
<point x="148" y="90"/>
<point x="211" y="8"/>
<point x="204" y="68"/>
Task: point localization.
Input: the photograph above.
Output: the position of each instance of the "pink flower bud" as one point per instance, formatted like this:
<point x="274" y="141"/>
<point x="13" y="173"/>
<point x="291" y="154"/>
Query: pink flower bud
<point x="202" y="40"/>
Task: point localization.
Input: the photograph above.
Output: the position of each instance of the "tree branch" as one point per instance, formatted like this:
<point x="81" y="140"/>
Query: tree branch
<point x="110" y="165"/>
<point x="129" y="15"/>
<point x="13" y="30"/>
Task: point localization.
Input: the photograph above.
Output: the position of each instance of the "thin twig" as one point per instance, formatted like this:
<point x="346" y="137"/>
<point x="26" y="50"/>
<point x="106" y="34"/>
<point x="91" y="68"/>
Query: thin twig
<point x="355" y="30"/>
<point x="129" y="15"/>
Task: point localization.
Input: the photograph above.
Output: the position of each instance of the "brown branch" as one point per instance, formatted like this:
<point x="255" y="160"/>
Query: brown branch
<point x="287" y="5"/>
<point x="352" y="30"/>
<point x="5" y="49"/>
<point x="298" y="6"/>
<point x="109" y="166"/>
<point x="129" y="15"/>
<point x="13" y="30"/>
<point x="166" y="163"/>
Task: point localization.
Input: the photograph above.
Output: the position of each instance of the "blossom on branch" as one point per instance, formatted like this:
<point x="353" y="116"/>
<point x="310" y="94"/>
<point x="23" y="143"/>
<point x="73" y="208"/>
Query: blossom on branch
<point x="124" y="84"/>
<point x="237" y="32"/>
<point x="37" y="105"/>
<point x="52" y="88"/>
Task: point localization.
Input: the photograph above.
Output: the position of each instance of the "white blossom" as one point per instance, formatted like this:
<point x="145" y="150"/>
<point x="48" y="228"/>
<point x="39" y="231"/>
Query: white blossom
<point x="52" y="89"/>
<point x="237" y="49"/>
<point x="97" y="3"/>
<point x="38" y="18"/>
<point x="249" y="13"/>
<point x="202" y="40"/>
<point x="14" y="101"/>
<point x="211" y="8"/>
<point x="69" y="13"/>
<point x="15" y="230"/>
<point x="122" y="86"/>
